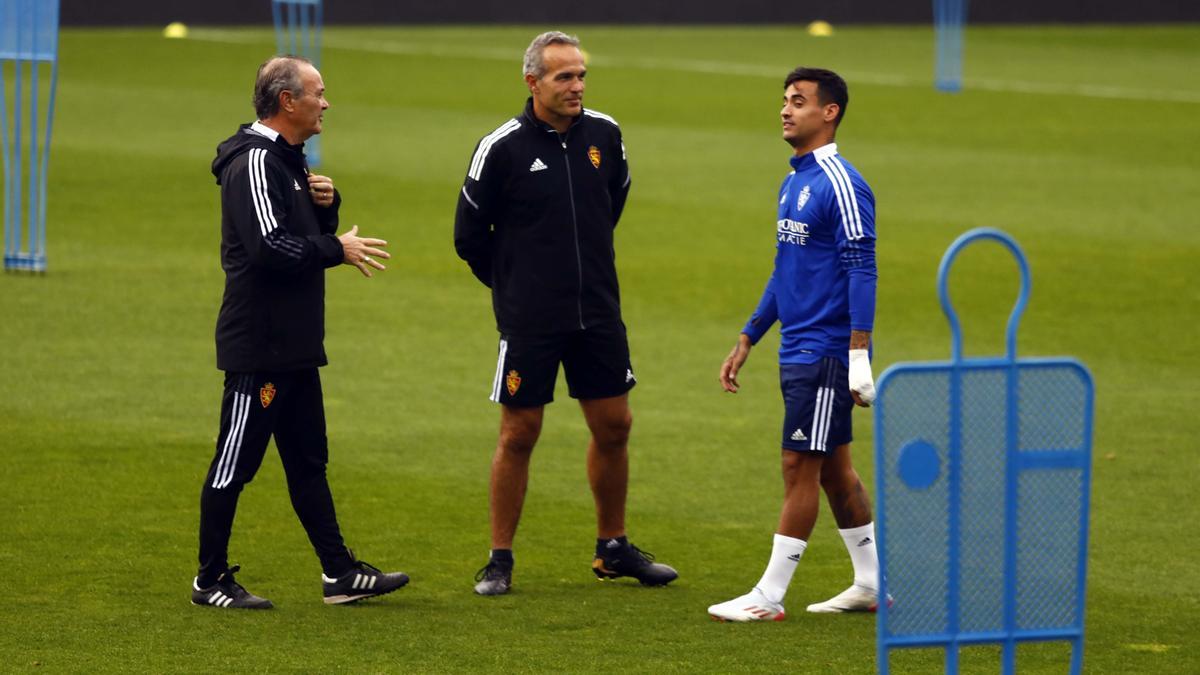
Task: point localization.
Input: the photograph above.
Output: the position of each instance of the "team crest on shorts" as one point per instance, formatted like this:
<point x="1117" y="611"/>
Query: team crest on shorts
<point x="266" y="394"/>
<point x="594" y="155"/>
<point x="513" y="382"/>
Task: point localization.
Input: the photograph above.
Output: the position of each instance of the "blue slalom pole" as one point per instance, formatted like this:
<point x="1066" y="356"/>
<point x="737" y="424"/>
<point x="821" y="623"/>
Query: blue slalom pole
<point x="45" y="163"/>
<point x="298" y="28"/>
<point x="319" y="21"/>
<point x="18" y="108"/>
<point x="949" y="16"/>
<point x="32" y="176"/>
<point x="28" y="40"/>
<point x="277" y="18"/>
<point x="8" y="182"/>
<point x="293" y="40"/>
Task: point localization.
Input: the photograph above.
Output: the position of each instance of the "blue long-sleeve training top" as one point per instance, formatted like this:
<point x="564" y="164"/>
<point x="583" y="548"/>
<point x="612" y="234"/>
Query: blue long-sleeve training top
<point x="823" y="285"/>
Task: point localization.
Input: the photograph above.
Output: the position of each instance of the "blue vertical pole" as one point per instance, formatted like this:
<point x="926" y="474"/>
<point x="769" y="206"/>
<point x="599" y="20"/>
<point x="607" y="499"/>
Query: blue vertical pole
<point x="1011" y="510"/>
<point x="1081" y="560"/>
<point x="319" y="21"/>
<point x="8" y="219"/>
<point x="948" y="19"/>
<point x="32" y="174"/>
<point x="1012" y="461"/>
<point x="883" y="611"/>
<point x="953" y="508"/>
<point x="277" y="17"/>
<point x="298" y="25"/>
<point x="17" y="168"/>
<point x="45" y="167"/>
<point x="293" y="42"/>
<point x="303" y="38"/>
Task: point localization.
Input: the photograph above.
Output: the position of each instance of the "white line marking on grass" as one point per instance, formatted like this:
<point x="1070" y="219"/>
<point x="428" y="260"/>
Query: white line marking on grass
<point x="731" y="68"/>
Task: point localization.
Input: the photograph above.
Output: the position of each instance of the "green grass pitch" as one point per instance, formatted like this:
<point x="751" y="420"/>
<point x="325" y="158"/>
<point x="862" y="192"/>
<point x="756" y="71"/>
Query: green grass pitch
<point x="1081" y="142"/>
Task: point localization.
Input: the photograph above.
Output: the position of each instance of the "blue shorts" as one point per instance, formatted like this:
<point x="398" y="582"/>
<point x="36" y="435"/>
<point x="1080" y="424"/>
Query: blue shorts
<point x="816" y="405"/>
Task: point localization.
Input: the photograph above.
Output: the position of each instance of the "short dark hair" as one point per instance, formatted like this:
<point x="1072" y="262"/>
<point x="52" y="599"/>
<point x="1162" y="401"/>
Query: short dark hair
<point x="277" y="75"/>
<point x="831" y="88"/>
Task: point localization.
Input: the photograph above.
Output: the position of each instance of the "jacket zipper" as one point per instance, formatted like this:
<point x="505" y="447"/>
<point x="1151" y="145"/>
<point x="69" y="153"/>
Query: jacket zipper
<point x="575" y="225"/>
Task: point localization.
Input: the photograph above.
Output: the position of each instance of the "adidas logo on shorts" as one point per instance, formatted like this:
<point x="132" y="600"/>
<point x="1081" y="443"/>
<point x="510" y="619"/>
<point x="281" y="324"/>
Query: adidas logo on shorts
<point x="798" y="435"/>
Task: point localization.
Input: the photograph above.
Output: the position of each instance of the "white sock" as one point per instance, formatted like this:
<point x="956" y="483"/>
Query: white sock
<point x="785" y="555"/>
<point x="860" y="543"/>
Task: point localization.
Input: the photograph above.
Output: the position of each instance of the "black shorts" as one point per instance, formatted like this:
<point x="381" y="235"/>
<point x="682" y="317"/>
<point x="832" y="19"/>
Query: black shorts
<point x="816" y="405"/>
<point x="596" y="362"/>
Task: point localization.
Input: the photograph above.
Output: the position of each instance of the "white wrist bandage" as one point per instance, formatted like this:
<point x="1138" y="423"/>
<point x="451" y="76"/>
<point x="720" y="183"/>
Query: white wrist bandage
<point x="861" y="381"/>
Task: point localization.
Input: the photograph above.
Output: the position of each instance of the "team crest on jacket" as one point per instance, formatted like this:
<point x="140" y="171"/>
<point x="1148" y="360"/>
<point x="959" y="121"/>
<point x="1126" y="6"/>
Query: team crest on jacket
<point x="513" y="382"/>
<point x="266" y="394"/>
<point x="594" y="155"/>
<point x="803" y="198"/>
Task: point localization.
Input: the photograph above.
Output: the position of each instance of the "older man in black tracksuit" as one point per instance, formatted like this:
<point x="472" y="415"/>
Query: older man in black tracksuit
<point x="535" y="223"/>
<point x="277" y="238"/>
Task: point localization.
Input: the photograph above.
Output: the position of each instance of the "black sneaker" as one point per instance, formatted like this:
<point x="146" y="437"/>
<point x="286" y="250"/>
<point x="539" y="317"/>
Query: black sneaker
<point x="630" y="561"/>
<point x="227" y="594"/>
<point x="494" y="579"/>
<point x="362" y="581"/>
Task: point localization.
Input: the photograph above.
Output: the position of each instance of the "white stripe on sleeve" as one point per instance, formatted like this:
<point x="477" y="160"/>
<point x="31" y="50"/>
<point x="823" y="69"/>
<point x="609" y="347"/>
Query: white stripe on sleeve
<point x="469" y="200"/>
<point x="485" y="146"/>
<point x="258" y="191"/>
<point x="853" y="198"/>
<point x="847" y="202"/>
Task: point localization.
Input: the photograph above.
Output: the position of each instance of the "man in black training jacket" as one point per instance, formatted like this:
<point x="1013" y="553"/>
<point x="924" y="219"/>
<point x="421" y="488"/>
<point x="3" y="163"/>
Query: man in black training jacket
<point x="277" y="238"/>
<point x="535" y="223"/>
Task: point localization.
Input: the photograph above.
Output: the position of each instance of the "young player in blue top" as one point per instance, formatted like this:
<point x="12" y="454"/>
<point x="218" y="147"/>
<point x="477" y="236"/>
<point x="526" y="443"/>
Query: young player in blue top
<point x="822" y="293"/>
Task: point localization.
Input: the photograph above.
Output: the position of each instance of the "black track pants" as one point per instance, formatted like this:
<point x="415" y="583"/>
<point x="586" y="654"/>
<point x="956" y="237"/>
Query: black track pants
<point x="256" y="406"/>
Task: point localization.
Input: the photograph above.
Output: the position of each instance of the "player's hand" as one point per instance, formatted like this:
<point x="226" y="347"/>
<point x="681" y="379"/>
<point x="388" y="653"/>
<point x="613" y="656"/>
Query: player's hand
<point x="862" y="384"/>
<point x="733" y="363"/>
<point x="321" y="189"/>
<point x="361" y="252"/>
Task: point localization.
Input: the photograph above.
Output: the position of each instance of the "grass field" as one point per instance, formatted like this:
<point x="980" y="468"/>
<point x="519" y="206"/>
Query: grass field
<point x="1081" y="142"/>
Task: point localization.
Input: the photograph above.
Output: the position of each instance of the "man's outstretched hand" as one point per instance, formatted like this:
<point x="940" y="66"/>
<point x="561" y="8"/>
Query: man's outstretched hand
<point x="361" y="251"/>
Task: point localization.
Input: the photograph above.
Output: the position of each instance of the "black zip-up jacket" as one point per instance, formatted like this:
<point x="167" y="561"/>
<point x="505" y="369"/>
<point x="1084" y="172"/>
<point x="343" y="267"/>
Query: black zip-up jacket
<point x="535" y="222"/>
<point x="275" y="246"/>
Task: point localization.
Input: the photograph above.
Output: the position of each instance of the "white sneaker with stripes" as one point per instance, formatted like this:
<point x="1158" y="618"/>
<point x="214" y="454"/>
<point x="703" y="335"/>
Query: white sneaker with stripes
<point x="853" y="599"/>
<point x="753" y="606"/>
<point x="363" y="581"/>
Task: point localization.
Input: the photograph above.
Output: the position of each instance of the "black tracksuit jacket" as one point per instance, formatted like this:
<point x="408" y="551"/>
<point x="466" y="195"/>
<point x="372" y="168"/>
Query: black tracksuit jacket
<point x="275" y="246"/>
<point x="535" y="222"/>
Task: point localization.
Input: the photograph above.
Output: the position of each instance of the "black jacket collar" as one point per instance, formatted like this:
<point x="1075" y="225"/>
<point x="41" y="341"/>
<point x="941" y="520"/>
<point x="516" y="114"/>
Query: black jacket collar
<point x="533" y="119"/>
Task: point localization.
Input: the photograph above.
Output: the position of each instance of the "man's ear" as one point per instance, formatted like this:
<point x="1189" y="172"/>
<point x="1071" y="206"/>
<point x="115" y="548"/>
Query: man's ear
<point x="531" y="82"/>
<point x="286" y="100"/>
<point x="831" y="112"/>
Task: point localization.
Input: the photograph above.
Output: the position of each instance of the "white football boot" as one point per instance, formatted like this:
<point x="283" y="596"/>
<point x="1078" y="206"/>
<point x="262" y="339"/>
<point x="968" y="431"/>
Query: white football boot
<point x="753" y="606"/>
<point x="853" y="599"/>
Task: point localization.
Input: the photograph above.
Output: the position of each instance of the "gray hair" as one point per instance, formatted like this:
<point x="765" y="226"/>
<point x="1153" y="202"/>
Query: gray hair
<point x="277" y="75"/>
<point x="534" y="64"/>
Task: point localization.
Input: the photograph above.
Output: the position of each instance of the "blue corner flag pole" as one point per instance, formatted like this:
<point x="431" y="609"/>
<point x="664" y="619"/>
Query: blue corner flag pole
<point x="28" y="50"/>
<point x="298" y="25"/>
<point x="983" y="471"/>
<point x="949" y="16"/>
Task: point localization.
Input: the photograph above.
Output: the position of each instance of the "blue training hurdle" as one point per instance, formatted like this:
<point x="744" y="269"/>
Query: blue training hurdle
<point x="949" y="17"/>
<point x="28" y="46"/>
<point x="298" y="27"/>
<point x="983" y="472"/>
